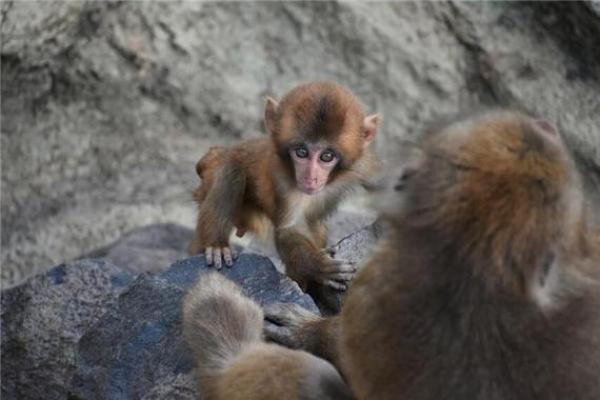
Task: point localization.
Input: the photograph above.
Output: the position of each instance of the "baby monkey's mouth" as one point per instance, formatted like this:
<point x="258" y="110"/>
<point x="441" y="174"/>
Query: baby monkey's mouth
<point x="310" y="187"/>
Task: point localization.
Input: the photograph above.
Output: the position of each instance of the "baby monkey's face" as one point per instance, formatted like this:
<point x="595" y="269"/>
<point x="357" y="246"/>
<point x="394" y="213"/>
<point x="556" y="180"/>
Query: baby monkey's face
<point x="313" y="162"/>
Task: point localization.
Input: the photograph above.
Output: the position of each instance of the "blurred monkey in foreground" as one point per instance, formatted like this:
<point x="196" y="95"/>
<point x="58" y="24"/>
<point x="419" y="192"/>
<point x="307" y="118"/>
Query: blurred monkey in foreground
<point x="486" y="286"/>
<point x="224" y="330"/>
<point x="317" y="153"/>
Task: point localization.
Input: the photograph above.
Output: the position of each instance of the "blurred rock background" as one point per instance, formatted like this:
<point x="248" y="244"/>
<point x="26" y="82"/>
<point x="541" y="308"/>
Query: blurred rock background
<point x="106" y="106"/>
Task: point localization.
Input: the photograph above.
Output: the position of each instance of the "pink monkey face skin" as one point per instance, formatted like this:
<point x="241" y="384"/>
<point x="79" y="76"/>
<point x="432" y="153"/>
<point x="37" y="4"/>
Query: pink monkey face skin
<point x="312" y="163"/>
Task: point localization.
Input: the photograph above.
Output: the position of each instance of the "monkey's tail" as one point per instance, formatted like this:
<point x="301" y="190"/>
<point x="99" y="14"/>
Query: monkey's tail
<point x="219" y="322"/>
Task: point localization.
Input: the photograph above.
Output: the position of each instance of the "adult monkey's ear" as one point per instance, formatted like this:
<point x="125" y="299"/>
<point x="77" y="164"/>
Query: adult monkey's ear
<point x="271" y="114"/>
<point x="370" y="125"/>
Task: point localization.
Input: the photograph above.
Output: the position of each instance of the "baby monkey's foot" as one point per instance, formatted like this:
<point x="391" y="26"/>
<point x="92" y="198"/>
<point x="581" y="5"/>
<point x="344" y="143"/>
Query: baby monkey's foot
<point x="217" y="255"/>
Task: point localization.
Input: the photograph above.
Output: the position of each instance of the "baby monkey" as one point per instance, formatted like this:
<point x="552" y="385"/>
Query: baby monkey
<point x="317" y="153"/>
<point x="486" y="286"/>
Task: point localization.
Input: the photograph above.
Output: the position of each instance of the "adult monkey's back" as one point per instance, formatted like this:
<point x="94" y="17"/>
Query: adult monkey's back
<point x="486" y="287"/>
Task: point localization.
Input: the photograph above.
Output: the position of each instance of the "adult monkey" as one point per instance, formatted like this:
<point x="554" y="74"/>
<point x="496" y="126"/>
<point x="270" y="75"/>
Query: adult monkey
<point x="316" y="154"/>
<point x="486" y="287"/>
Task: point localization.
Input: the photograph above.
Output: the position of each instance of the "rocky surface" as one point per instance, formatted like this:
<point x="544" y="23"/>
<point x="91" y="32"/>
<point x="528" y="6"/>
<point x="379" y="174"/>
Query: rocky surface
<point x="89" y="330"/>
<point x="106" y="106"/>
<point x="44" y="320"/>
<point x="151" y="248"/>
<point x="357" y="246"/>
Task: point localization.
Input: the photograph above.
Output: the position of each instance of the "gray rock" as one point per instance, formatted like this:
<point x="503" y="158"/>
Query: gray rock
<point x="356" y="247"/>
<point x="89" y="331"/>
<point x="144" y="332"/>
<point x="43" y="321"/>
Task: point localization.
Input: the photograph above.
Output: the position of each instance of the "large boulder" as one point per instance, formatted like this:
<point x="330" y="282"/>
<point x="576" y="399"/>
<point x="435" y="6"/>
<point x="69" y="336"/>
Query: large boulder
<point x="106" y="106"/>
<point x="43" y="322"/>
<point x="88" y="330"/>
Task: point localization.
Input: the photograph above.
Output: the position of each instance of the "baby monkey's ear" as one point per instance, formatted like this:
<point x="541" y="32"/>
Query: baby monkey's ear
<point x="370" y="125"/>
<point x="271" y="108"/>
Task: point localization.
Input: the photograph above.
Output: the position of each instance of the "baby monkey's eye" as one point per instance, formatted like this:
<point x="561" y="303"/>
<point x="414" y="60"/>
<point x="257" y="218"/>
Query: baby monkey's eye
<point x="327" y="156"/>
<point x="301" y="152"/>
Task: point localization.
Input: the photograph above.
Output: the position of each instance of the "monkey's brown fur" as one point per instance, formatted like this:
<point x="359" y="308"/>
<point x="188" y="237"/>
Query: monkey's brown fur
<point x="247" y="192"/>
<point x="224" y="331"/>
<point x="252" y="182"/>
<point x="486" y="287"/>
